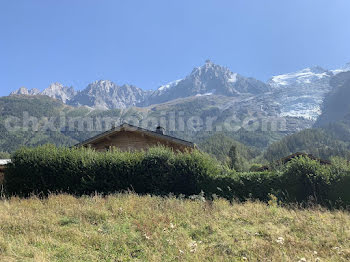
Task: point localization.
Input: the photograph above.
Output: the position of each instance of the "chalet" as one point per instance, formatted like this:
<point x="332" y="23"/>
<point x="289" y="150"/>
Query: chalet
<point x="286" y="159"/>
<point x="127" y="137"/>
<point x="289" y="158"/>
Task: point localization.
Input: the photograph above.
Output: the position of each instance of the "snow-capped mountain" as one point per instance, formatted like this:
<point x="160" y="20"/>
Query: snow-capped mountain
<point x="206" y="80"/>
<point x="105" y="94"/>
<point x="343" y="69"/>
<point x="300" y="94"/>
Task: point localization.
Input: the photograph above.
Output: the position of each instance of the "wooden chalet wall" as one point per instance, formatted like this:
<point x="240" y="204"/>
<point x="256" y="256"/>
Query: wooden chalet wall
<point x="2" y="173"/>
<point x="134" y="141"/>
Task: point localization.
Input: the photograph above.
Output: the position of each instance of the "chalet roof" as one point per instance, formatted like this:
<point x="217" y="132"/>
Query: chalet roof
<point x="299" y="154"/>
<point x="128" y="127"/>
<point x="4" y="162"/>
<point x="286" y="159"/>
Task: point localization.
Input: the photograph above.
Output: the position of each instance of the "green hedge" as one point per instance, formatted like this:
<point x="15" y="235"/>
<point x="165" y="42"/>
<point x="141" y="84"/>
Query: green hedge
<point x="83" y="171"/>
<point x="48" y="169"/>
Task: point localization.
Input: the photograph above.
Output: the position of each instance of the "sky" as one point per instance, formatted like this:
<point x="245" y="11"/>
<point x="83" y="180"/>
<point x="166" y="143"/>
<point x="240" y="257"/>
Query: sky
<point x="150" y="43"/>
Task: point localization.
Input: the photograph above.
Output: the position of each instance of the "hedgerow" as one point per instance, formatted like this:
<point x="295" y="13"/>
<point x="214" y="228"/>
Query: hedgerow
<point x="80" y="171"/>
<point x="161" y="171"/>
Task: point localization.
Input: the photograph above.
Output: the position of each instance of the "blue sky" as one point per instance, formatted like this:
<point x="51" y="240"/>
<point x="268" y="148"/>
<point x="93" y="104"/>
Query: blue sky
<point x="149" y="43"/>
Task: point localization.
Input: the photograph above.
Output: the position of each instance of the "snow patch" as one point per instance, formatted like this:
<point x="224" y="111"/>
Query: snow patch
<point x="303" y="76"/>
<point x="169" y="85"/>
<point x="208" y="93"/>
<point x="233" y="78"/>
<point x="345" y="68"/>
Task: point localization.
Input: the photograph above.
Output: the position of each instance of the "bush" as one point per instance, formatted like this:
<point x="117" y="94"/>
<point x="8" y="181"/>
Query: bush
<point x="339" y="193"/>
<point x="4" y="155"/>
<point x="304" y="179"/>
<point x="248" y="185"/>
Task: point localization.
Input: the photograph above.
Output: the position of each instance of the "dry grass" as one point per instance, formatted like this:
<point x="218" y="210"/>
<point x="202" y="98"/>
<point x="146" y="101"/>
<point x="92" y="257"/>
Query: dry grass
<point x="143" y="228"/>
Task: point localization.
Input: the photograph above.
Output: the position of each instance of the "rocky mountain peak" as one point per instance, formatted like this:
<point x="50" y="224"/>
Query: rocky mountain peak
<point x="211" y="69"/>
<point x="25" y="91"/>
<point x="209" y="79"/>
<point x="105" y="94"/>
<point x="21" y="91"/>
<point x="59" y="92"/>
<point x="101" y="86"/>
<point x="296" y="94"/>
<point x="316" y="70"/>
<point x="346" y="68"/>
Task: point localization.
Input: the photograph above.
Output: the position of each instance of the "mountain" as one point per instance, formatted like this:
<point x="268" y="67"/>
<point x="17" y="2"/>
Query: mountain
<point x="55" y="90"/>
<point x="292" y="95"/>
<point x="336" y="105"/>
<point x="59" y="92"/>
<point x="25" y="91"/>
<point x="211" y="100"/>
<point x="209" y="79"/>
<point x="36" y="120"/>
<point x="343" y="69"/>
<point x="106" y="95"/>
<point x="39" y="108"/>
<point x="300" y="94"/>
<point x="331" y="135"/>
<point x="318" y="142"/>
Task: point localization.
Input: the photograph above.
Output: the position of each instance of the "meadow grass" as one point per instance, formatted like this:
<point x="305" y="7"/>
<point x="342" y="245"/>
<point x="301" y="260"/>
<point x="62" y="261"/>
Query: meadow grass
<point x="128" y="227"/>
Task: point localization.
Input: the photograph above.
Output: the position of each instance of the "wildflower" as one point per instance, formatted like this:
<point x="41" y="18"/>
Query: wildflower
<point x="171" y="242"/>
<point x="280" y="240"/>
<point x="244" y="258"/>
<point x="172" y="225"/>
<point x="147" y="237"/>
<point x="193" y="246"/>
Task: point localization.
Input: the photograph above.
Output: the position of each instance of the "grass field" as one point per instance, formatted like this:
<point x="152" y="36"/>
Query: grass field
<point x="128" y="227"/>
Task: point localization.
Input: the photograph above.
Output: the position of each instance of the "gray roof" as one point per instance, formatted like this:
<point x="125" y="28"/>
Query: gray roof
<point x="129" y="127"/>
<point x="4" y="162"/>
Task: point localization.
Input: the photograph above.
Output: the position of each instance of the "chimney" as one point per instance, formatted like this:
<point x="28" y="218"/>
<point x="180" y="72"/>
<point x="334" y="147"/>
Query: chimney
<point x="160" y="130"/>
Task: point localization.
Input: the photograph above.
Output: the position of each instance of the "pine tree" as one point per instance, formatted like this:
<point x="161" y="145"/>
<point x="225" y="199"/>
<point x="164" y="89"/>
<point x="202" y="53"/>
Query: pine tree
<point x="234" y="158"/>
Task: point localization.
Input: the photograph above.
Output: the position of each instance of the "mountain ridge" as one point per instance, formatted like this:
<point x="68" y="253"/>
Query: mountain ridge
<point x="297" y="94"/>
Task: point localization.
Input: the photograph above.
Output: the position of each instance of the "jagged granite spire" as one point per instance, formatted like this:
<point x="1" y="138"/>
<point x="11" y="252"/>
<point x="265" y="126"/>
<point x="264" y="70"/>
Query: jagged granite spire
<point x="209" y="79"/>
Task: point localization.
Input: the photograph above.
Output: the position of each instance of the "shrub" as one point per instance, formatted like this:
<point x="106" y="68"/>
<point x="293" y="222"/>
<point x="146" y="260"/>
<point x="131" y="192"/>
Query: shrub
<point x="161" y="171"/>
<point x="4" y="155"/>
<point x="304" y="179"/>
<point x="248" y="185"/>
<point x="339" y="193"/>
